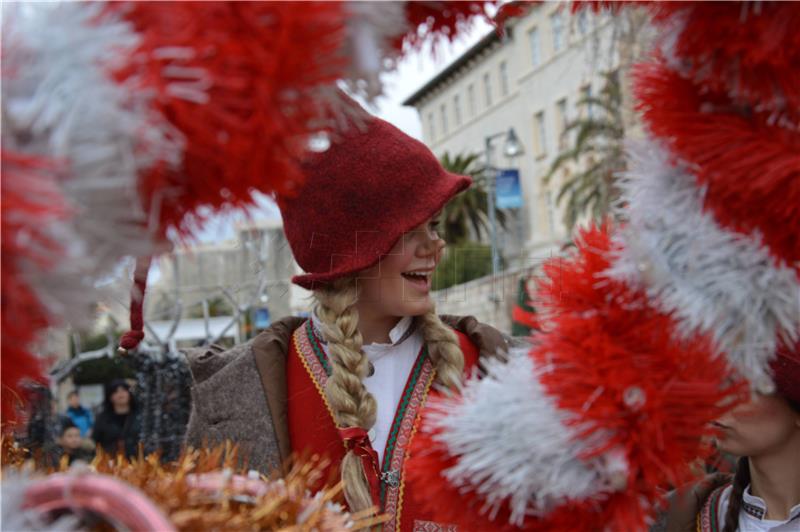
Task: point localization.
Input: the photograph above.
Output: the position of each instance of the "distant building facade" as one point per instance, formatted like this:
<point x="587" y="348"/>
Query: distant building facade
<point x="251" y="272"/>
<point x="530" y="80"/>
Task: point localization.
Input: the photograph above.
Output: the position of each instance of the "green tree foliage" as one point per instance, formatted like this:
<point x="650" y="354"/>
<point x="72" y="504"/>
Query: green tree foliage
<point x="462" y="262"/>
<point x="104" y="369"/>
<point x="524" y="304"/>
<point x="590" y="166"/>
<point x="466" y="216"/>
<point x="464" y="220"/>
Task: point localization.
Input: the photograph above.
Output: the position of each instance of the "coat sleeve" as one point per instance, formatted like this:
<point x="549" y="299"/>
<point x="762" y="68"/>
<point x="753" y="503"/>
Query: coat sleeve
<point x="685" y="503"/>
<point x="204" y="363"/>
<point x="228" y="404"/>
<point x="489" y="341"/>
<point x="193" y="429"/>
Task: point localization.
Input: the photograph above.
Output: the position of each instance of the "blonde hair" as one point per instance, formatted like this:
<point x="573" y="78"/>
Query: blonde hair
<point x="352" y="404"/>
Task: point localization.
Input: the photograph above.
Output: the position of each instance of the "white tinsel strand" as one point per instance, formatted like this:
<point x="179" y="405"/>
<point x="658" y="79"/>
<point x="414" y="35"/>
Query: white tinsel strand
<point x="535" y="465"/>
<point x="59" y="102"/>
<point x="714" y="280"/>
<point x="371" y="26"/>
<point x="669" y="35"/>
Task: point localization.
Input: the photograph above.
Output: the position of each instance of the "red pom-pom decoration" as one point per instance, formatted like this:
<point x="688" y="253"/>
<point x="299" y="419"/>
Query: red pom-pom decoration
<point x="749" y="164"/>
<point x="30" y="201"/>
<point x="747" y="50"/>
<point x="436" y="20"/>
<point x="243" y="85"/>
<point x="639" y="399"/>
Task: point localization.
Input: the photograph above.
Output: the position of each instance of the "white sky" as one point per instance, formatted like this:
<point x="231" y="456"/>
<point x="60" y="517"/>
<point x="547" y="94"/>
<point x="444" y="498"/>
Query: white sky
<point x="413" y="71"/>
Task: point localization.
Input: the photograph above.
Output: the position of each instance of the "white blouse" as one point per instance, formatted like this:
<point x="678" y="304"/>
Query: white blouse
<point x="751" y="516"/>
<point x="392" y="363"/>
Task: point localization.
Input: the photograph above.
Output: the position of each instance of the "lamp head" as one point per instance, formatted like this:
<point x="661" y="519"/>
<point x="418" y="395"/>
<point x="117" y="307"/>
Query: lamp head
<point x="512" y="147"/>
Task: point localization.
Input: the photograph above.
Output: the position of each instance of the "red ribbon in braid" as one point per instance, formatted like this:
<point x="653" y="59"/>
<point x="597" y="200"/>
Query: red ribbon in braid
<point x="356" y="439"/>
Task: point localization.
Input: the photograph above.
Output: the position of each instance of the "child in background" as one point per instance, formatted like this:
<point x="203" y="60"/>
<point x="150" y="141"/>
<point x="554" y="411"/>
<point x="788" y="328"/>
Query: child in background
<point x="80" y="415"/>
<point x="70" y="444"/>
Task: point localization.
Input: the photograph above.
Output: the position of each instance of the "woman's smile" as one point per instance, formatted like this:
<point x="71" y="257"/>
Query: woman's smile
<point x="419" y="279"/>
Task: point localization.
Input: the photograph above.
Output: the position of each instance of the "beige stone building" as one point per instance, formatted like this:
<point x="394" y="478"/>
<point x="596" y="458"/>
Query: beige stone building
<point x="250" y="272"/>
<point x="530" y="80"/>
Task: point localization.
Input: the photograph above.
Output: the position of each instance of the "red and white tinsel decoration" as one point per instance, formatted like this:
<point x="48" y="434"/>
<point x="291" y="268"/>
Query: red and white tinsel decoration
<point x="644" y="324"/>
<point x="126" y="123"/>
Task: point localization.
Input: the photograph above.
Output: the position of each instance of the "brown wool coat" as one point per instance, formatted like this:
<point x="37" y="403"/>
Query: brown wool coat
<point x="684" y="504"/>
<point x="240" y="393"/>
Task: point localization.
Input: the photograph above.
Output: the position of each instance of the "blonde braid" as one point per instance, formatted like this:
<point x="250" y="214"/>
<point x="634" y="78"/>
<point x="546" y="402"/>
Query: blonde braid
<point x="352" y="404"/>
<point x="444" y="350"/>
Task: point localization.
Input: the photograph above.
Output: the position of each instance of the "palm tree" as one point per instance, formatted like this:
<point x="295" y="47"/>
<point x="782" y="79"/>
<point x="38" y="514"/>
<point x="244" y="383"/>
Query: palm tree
<point x="464" y="220"/>
<point x="590" y="166"/>
<point x="466" y="215"/>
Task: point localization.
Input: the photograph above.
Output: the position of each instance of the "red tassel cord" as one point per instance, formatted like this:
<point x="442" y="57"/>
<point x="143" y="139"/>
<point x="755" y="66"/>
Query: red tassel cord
<point x="131" y="339"/>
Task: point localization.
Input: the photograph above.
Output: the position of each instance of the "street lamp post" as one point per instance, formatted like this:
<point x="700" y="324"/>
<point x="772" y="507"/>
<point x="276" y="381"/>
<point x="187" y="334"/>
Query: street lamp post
<point x="512" y="148"/>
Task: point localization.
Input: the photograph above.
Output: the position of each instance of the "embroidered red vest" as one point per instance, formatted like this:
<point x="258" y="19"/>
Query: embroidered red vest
<point x="709" y="519"/>
<point x="312" y="429"/>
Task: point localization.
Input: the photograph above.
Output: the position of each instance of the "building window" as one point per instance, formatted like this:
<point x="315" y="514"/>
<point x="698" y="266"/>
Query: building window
<point x="504" y="78"/>
<point x="443" y="113"/>
<point x="561" y="122"/>
<point x="535" y="46"/>
<point x="471" y="99"/>
<point x="586" y="93"/>
<point x="557" y="25"/>
<point x="551" y="213"/>
<point x="457" y="109"/>
<point x="583" y="21"/>
<point x="487" y="89"/>
<point x="540" y="134"/>
<point x="431" y="126"/>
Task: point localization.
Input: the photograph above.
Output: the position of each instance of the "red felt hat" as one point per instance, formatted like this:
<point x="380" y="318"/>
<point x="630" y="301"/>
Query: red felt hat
<point x="786" y="372"/>
<point x="373" y="184"/>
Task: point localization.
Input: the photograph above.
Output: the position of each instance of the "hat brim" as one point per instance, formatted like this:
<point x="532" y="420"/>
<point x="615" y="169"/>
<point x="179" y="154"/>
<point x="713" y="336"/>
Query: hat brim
<point x="431" y="202"/>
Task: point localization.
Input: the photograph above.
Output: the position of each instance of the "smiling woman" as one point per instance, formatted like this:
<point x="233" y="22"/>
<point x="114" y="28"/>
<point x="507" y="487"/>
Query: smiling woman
<point x="399" y="284"/>
<point x="350" y="381"/>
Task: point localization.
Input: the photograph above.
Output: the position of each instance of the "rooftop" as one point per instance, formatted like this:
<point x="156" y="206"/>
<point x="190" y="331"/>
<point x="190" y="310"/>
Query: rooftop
<point x="485" y="43"/>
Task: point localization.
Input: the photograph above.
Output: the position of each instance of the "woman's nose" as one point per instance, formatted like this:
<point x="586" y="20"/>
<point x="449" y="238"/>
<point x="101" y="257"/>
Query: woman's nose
<point x="431" y="246"/>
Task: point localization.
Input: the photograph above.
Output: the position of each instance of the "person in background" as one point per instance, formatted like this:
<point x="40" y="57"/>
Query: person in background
<point x="69" y="444"/>
<point x="41" y="430"/>
<point x="117" y="426"/>
<point x="80" y="416"/>
<point x="764" y="493"/>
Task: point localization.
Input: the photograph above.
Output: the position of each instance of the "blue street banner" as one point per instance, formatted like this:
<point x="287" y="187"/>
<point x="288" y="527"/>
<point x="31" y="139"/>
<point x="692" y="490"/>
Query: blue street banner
<point x="508" y="191"/>
<point x="262" y="320"/>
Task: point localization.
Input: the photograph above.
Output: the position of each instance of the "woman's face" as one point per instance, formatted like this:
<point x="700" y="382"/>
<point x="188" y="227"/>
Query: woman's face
<point x="399" y="285"/>
<point x="120" y="397"/>
<point x="762" y="426"/>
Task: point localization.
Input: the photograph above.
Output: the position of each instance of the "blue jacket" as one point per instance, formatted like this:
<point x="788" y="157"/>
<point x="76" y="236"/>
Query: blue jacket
<point x="82" y="417"/>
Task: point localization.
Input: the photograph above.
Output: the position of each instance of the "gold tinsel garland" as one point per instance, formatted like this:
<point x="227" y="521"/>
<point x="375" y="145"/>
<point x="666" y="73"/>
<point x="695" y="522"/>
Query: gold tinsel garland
<point x="206" y="489"/>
